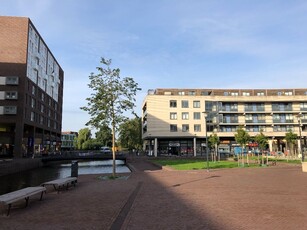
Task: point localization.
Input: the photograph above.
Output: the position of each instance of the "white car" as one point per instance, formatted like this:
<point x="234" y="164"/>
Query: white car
<point x="105" y="150"/>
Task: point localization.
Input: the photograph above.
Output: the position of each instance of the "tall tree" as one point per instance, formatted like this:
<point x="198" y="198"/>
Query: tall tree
<point x="104" y="136"/>
<point x="130" y="134"/>
<point x="290" y="140"/>
<point x="112" y="96"/>
<point x="242" y="138"/>
<point x="83" y="136"/>
<point x="262" y="141"/>
<point x="214" y="141"/>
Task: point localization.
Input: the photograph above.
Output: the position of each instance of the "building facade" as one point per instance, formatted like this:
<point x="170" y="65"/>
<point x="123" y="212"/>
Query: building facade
<point x="68" y="140"/>
<point x="174" y="120"/>
<point x="31" y="90"/>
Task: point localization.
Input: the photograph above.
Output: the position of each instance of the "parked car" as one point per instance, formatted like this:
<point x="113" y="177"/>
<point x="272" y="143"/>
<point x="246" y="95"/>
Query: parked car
<point x="105" y="150"/>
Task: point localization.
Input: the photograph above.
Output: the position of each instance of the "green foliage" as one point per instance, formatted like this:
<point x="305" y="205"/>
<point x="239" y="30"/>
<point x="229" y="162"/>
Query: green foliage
<point x="291" y="137"/>
<point x="214" y="140"/>
<point x="83" y="136"/>
<point x="112" y="97"/>
<point x="130" y="134"/>
<point x="104" y="136"/>
<point x="242" y="137"/>
<point x="262" y="140"/>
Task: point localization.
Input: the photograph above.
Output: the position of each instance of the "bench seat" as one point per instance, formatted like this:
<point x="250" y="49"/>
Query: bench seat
<point x="18" y="195"/>
<point x="62" y="182"/>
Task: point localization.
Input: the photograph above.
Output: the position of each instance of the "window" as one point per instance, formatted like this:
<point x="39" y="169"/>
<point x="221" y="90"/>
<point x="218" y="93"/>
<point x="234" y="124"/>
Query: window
<point x="185" y="116"/>
<point x="248" y="117"/>
<point x="42" y="108"/>
<point x="260" y="94"/>
<point x="196" y="115"/>
<point x="173" y="128"/>
<point x="192" y="93"/>
<point x="185" y="128"/>
<point x="33" y="90"/>
<point x="197" y="128"/>
<point x="246" y="94"/>
<point x="184" y="104"/>
<point x="43" y="96"/>
<point x="234" y="94"/>
<point x="173" y="104"/>
<point x="196" y="104"/>
<point x="173" y="116"/>
<point x="181" y="93"/>
<point x="41" y="121"/>
<point x="12" y="80"/>
<point x="32" y="116"/>
<point x="10" y="110"/>
<point x="288" y="93"/>
<point x="32" y="102"/>
<point x="11" y="95"/>
<point x="303" y="105"/>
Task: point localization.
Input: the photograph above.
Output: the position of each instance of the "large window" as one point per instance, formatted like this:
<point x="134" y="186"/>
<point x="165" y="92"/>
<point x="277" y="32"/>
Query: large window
<point x="184" y="104"/>
<point x="196" y="115"/>
<point x="173" y="116"/>
<point x="173" y="104"/>
<point x="196" y="104"/>
<point x="185" y="128"/>
<point x="173" y="128"/>
<point x="303" y="106"/>
<point x="185" y="116"/>
<point x="197" y="128"/>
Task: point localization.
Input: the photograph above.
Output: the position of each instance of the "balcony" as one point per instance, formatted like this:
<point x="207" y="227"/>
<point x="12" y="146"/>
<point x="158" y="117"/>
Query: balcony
<point x="257" y="109"/>
<point x="281" y="108"/>
<point x="283" y="121"/>
<point x="255" y="121"/>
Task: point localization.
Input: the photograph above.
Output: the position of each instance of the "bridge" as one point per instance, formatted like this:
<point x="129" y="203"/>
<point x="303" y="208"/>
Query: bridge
<point x="83" y="156"/>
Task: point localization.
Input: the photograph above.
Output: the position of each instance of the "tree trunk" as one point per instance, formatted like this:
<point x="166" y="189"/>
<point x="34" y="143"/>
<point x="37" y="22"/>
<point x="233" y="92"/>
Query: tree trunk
<point x="113" y="150"/>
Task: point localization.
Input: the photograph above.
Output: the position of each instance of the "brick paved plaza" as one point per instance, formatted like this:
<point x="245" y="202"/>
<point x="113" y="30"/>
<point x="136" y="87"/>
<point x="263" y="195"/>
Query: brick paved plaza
<point x="245" y="198"/>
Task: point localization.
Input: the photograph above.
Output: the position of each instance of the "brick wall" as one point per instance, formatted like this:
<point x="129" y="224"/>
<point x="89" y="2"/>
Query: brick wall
<point x="13" y="43"/>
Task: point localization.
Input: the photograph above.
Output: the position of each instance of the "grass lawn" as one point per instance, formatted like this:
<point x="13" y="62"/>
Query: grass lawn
<point x="190" y="164"/>
<point x="195" y="164"/>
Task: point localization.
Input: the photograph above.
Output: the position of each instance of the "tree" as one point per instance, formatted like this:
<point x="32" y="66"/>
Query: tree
<point x="242" y="138"/>
<point x="104" y="136"/>
<point x="290" y="140"/>
<point x="83" y="136"/>
<point x="262" y="141"/>
<point x="112" y="96"/>
<point x="214" y="141"/>
<point x="130" y="134"/>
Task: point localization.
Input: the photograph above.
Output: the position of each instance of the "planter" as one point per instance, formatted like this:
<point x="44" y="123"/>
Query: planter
<point x="304" y="166"/>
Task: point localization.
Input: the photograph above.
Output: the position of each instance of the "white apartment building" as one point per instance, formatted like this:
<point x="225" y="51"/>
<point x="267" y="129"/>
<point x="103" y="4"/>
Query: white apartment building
<point x="174" y="119"/>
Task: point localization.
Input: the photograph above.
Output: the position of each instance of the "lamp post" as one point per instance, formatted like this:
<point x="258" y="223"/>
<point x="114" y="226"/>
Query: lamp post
<point x="300" y="134"/>
<point x="206" y="134"/>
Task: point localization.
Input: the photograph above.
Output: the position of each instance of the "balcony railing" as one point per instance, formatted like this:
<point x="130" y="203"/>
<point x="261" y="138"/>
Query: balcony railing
<point x="282" y="121"/>
<point x="282" y="108"/>
<point x="257" y="109"/>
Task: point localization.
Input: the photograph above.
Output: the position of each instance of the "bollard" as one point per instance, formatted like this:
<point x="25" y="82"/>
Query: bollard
<point x="74" y="168"/>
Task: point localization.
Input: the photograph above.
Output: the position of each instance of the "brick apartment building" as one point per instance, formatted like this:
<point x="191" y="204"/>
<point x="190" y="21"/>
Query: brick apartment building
<point x="174" y="119"/>
<point x="31" y="90"/>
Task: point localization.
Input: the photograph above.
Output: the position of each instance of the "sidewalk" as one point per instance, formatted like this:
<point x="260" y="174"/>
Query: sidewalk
<point x="151" y="198"/>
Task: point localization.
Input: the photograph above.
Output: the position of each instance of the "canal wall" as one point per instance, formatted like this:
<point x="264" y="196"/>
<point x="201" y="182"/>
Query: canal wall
<point x="10" y="166"/>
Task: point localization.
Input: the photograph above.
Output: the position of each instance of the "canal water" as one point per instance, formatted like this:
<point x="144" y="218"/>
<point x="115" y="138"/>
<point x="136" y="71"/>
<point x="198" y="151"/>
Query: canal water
<point x="54" y="171"/>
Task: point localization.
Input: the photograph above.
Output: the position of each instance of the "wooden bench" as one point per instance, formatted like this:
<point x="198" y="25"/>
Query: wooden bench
<point x="18" y="195"/>
<point x="62" y="182"/>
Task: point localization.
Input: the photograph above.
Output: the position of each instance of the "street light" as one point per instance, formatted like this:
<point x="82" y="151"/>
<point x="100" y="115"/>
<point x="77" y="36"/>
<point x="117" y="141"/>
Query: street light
<point x="298" y="116"/>
<point x="206" y="134"/>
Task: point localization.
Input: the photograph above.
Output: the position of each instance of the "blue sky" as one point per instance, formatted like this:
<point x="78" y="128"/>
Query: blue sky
<point x="171" y="43"/>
